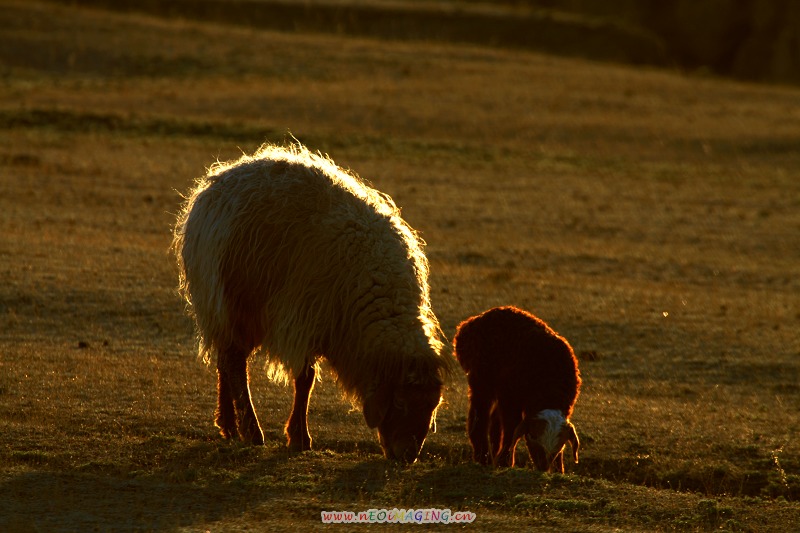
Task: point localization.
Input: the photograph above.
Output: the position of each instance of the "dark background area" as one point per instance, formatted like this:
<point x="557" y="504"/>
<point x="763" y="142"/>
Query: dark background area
<point x="755" y="40"/>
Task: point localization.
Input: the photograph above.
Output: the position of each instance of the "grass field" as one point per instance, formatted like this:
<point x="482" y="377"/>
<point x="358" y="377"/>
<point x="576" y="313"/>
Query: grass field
<point x="651" y="218"/>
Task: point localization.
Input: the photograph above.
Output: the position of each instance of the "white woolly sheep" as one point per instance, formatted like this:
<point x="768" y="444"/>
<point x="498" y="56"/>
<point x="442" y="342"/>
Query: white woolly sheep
<point x="285" y="253"/>
<point x="523" y="382"/>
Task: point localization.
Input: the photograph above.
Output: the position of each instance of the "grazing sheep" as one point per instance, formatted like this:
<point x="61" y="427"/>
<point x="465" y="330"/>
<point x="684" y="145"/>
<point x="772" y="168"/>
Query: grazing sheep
<point x="285" y="253"/>
<point x="523" y="382"/>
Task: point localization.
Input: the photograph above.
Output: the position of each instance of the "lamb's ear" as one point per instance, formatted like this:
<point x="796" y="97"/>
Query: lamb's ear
<point x="376" y="405"/>
<point x="572" y="438"/>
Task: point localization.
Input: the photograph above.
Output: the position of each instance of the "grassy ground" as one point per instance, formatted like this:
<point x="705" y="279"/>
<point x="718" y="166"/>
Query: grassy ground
<point x="650" y="218"/>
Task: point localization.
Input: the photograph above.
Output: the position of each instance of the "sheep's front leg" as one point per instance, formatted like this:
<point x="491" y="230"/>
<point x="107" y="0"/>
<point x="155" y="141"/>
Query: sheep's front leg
<point x="235" y="407"/>
<point x="298" y="437"/>
<point x="478" y="425"/>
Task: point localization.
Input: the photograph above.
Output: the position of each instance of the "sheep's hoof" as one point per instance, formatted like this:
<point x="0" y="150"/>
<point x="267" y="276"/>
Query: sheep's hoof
<point x="299" y="445"/>
<point x="256" y="439"/>
<point x="254" y="436"/>
<point x="226" y="433"/>
<point x="482" y="459"/>
<point x="227" y="426"/>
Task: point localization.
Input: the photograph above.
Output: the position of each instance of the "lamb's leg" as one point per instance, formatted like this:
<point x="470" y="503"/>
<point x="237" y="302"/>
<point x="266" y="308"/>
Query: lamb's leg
<point x="510" y="419"/>
<point x="495" y="430"/>
<point x="478" y="425"/>
<point x="558" y="462"/>
<point x="298" y="437"/>
<point x="233" y="379"/>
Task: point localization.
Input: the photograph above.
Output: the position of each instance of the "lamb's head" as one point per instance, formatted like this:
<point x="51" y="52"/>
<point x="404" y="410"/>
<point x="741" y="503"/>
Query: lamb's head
<point x="546" y="434"/>
<point x="403" y="414"/>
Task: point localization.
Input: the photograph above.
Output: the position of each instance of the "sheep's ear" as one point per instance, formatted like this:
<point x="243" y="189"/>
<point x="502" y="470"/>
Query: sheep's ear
<point x="572" y="438"/>
<point x="423" y="374"/>
<point x="376" y="405"/>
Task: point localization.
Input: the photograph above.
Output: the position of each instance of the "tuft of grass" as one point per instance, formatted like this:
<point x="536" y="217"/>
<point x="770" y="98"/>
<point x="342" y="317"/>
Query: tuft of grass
<point x="32" y="457"/>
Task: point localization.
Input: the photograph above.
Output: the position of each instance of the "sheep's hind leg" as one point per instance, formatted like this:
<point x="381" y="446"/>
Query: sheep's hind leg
<point x="225" y="417"/>
<point x="298" y="437"/>
<point x="232" y="368"/>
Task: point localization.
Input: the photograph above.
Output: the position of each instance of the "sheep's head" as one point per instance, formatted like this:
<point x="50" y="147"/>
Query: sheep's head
<point x="546" y="435"/>
<point x="403" y="415"/>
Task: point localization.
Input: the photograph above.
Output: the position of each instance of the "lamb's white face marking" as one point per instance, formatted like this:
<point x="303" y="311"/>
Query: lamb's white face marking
<point x="549" y="438"/>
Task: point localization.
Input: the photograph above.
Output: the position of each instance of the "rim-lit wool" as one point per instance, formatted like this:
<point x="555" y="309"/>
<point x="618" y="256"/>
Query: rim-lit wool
<point x="312" y="261"/>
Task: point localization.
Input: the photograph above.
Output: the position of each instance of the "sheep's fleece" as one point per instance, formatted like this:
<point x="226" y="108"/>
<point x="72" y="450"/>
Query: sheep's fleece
<point x="285" y="252"/>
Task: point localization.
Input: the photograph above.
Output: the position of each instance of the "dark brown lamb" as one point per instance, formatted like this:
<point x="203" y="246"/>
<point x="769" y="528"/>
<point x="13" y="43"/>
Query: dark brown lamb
<point x="523" y="382"/>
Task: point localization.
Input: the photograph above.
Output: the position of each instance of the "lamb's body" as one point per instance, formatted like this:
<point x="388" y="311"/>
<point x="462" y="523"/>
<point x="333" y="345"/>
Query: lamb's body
<point x="287" y="253"/>
<point x="523" y="381"/>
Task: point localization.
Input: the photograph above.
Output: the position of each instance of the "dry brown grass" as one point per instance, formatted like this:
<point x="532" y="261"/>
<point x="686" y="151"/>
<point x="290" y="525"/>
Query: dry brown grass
<point x="650" y="218"/>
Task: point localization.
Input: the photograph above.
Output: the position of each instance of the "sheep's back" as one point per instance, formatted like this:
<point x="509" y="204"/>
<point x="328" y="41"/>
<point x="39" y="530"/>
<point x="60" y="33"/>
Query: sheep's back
<point x="514" y="353"/>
